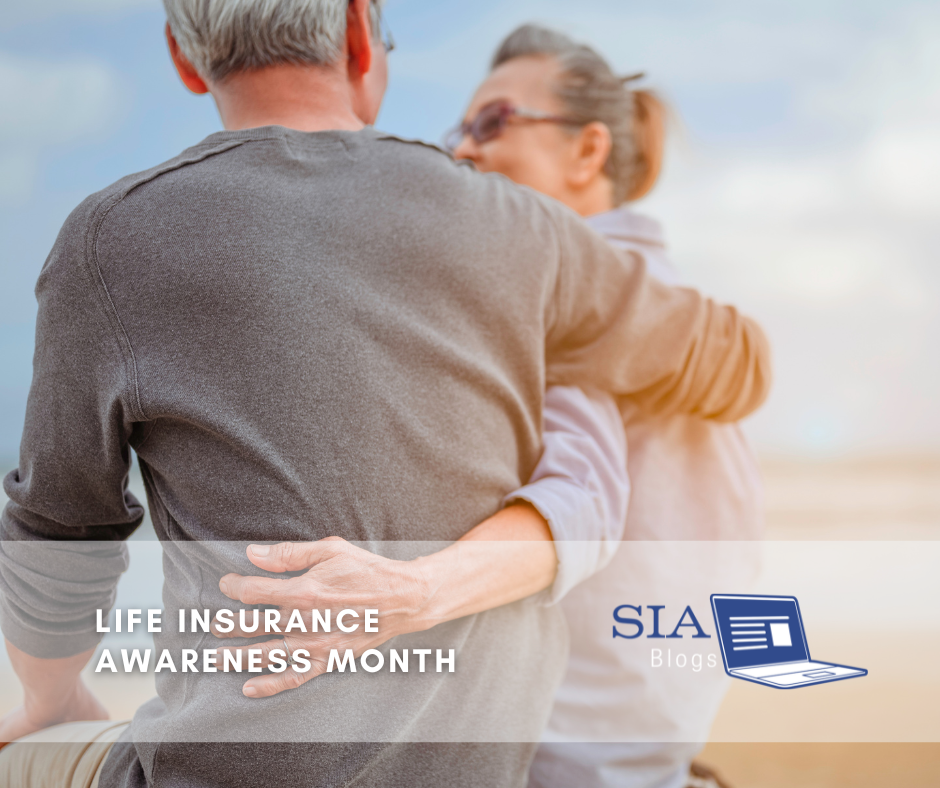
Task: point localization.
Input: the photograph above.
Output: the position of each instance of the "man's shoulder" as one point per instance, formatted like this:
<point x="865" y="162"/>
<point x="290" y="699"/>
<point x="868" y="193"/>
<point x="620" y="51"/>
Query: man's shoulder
<point x="98" y="204"/>
<point x="420" y="157"/>
<point x="79" y="236"/>
<point x="415" y="143"/>
<point x="440" y="174"/>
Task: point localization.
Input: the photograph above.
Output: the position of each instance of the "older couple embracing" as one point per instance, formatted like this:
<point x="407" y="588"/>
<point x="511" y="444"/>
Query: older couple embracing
<point x="359" y="373"/>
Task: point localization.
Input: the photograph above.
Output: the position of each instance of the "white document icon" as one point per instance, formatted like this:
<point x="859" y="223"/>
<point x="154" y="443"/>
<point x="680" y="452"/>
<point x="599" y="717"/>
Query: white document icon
<point x="780" y="634"/>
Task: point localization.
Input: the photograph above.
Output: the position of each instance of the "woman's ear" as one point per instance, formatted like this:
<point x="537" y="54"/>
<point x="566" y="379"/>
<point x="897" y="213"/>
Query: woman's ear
<point x="592" y="147"/>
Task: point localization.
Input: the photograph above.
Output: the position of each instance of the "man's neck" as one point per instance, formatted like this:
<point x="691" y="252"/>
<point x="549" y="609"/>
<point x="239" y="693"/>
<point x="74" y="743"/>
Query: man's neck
<point x="306" y="98"/>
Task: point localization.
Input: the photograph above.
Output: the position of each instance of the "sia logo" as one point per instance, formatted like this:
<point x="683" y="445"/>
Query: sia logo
<point x="629" y="625"/>
<point x="632" y="628"/>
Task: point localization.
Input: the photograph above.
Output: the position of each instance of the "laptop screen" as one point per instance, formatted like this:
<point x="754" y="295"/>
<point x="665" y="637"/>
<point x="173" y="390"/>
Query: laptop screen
<point x="759" y="630"/>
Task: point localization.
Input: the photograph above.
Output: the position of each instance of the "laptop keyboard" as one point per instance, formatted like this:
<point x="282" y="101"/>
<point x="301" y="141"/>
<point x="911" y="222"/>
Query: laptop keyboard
<point x="778" y="670"/>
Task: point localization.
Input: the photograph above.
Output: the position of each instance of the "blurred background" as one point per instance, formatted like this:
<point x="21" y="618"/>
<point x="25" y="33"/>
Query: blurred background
<point x="802" y="183"/>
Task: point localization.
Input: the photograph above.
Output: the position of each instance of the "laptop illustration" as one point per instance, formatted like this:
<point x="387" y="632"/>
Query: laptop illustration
<point x="763" y="640"/>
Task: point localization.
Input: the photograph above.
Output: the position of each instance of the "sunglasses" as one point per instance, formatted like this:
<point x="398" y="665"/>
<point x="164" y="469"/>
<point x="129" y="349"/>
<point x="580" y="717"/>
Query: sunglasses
<point x="492" y="120"/>
<point x="387" y="41"/>
<point x="385" y="35"/>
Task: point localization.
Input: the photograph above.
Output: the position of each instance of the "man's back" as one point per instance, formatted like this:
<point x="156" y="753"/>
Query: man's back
<point x="327" y="334"/>
<point x="291" y="359"/>
<point x="308" y="362"/>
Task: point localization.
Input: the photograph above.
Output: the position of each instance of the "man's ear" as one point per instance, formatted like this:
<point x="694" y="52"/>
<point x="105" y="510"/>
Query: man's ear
<point x="359" y="40"/>
<point x="184" y="68"/>
<point x="593" y="146"/>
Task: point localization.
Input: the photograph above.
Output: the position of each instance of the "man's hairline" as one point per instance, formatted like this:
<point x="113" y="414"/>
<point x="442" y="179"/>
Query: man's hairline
<point x="376" y="37"/>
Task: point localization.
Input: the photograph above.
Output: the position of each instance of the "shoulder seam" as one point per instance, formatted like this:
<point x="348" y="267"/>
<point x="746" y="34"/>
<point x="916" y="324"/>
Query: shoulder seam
<point x="413" y="141"/>
<point x="101" y="212"/>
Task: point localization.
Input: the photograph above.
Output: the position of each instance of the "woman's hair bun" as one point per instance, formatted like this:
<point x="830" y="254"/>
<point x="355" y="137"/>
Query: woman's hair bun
<point x="590" y="91"/>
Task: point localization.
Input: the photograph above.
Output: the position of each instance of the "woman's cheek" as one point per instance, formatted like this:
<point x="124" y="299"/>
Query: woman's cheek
<point x="523" y="168"/>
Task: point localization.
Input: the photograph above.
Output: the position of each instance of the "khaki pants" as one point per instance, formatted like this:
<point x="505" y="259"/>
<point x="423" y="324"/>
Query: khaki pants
<point x="64" y="756"/>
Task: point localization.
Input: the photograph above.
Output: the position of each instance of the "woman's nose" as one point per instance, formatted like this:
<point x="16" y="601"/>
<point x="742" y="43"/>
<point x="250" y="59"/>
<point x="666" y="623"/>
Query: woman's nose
<point x="467" y="149"/>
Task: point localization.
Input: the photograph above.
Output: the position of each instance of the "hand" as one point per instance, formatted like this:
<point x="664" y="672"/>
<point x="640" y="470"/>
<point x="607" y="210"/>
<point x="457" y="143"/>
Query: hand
<point x="340" y="576"/>
<point x="36" y="713"/>
<point x="507" y="557"/>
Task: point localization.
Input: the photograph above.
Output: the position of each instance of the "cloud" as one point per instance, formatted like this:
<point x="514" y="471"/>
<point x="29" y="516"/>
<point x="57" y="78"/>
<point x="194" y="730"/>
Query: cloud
<point x="719" y="43"/>
<point x="900" y="167"/>
<point x="37" y="10"/>
<point x="51" y="103"/>
<point x="46" y="104"/>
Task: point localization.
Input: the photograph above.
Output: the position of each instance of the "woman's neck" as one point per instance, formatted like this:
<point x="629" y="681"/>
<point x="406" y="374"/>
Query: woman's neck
<point x="596" y="197"/>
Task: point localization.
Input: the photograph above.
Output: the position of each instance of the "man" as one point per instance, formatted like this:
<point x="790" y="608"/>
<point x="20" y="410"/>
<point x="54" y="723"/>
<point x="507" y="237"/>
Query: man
<point x="306" y="329"/>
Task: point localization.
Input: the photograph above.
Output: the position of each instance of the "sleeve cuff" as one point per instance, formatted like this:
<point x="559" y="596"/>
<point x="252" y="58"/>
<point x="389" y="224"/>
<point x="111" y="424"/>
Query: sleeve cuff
<point x="578" y="559"/>
<point x="50" y="592"/>
<point x="40" y="642"/>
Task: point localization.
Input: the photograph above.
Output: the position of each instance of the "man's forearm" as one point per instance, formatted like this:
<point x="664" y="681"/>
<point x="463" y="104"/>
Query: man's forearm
<point x="726" y="374"/>
<point x="616" y="327"/>
<point x="507" y="557"/>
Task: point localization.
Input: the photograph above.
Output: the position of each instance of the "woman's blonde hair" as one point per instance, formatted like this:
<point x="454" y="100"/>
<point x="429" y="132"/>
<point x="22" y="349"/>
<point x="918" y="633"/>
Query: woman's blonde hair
<point x="590" y="91"/>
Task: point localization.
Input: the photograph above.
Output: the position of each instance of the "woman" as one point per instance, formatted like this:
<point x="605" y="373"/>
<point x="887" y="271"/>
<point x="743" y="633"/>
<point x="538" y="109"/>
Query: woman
<point x="552" y="115"/>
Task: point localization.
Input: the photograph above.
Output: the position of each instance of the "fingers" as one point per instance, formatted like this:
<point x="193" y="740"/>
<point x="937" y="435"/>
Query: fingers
<point x="271" y="655"/>
<point x="238" y="632"/>
<point x="273" y="683"/>
<point x="264" y="623"/>
<point x="293" y="556"/>
<point x="261" y="661"/>
<point x="255" y="590"/>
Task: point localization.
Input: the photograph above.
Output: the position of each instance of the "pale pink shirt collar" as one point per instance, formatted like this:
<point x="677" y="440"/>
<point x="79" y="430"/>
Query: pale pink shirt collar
<point x="626" y="229"/>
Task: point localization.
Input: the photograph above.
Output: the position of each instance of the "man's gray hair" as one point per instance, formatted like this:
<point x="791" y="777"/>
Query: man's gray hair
<point x="220" y="37"/>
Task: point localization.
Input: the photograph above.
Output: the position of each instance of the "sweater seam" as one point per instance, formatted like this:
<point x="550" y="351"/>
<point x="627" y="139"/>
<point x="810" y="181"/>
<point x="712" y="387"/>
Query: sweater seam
<point x="110" y="308"/>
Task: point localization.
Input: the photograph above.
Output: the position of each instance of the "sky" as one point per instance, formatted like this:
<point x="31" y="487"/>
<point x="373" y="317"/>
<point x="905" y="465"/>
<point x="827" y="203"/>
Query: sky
<point x="802" y="180"/>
